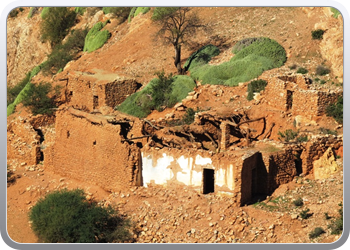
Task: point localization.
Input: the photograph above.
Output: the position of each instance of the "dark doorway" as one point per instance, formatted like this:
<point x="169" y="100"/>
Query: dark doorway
<point x="95" y="102"/>
<point x="289" y="99"/>
<point x="208" y="181"/>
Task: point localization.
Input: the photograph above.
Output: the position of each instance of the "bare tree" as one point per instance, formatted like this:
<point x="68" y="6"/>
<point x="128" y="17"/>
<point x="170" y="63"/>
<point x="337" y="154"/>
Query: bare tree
<point x="178" y="24"/>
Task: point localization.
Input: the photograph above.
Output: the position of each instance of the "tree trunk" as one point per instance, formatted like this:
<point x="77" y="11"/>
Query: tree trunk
<point x="177" y="60"/>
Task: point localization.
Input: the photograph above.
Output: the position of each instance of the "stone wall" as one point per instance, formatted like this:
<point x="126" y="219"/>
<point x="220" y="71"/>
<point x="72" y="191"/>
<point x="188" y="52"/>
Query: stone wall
<point x="92" y="153"/>
<point x="293" y="93"/>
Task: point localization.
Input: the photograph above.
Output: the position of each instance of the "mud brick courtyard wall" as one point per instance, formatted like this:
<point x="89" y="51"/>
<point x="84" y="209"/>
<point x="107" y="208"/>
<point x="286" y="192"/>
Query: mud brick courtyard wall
<point x="93" y="153"/>
<point x="88" y="93"/>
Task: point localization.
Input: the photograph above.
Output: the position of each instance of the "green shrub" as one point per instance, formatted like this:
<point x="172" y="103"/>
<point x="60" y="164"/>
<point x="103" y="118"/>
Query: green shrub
<point x="321" y="70"/>
<point x="157" y="95"/>
<point x="302" y="70"/>
<point x="244" y="43"/>
<point x="142" y="10"/>
<point x="188" y="117"/>
<point x="96" y="37"/>
<point x="13" y="13"/>
<point x="33" y="11"/>
<point x="12" y="92"/>
<point x="36" y="97"/>
<point x="249" y="63"/>
<point x="302" y="138"/>
<point x="336" y="12"/>
<point x="294" y="66"/>
<point x="56" y="24"/>
<point x="287" y="135"/>
<point x="64" y="53"/>
<point x="11" y="109"/>
<point x="80" y="10"/>
<point x="328" y="131"/>
<point x="201" y="56"/>
<point x="44" y="12"/>
<point x="317" y="34"/>
<point x="131" y="14"/>
<point x="337" y="224"/>
<point x="160" y="12"/>
<point x="255" y="86"/>
<point x="304" y="214"/>
<point x="121" y="13"/>
<point x="67" y="217"/>
<point x="335" y="110"/>
<point x="316" y="232"/>
<point x="298" y="202"/>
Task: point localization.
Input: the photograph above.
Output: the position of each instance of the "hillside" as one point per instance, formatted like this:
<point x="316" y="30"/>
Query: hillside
<point x="127" y="62"/>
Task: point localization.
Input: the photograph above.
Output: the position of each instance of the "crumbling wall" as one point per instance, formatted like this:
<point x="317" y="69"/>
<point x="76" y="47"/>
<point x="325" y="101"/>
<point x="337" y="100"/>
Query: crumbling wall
<point x="281" y="168"/>
<point x="23" y="142"/>
<point x="276" y="94"/>
<point x="93" y="152"/>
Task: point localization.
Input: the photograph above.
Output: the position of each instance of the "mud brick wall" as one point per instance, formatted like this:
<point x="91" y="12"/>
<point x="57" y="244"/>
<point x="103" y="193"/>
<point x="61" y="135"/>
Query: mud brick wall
<point x="93" y="153"/>
<point x="116" y="92"/>
<point x="281" y="169"/>
<point x="87" y="93"/>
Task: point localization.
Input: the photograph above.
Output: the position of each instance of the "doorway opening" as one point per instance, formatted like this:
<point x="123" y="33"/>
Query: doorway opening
<point x="208" y="181"/>
<point x="95" y="102"/>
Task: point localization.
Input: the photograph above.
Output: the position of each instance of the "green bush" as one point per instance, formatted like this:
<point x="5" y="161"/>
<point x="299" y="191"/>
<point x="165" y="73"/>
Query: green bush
<point x="156" y="95"/>
<point x="44" y="12"/>
<point x="243" y="44"/>
<point x="56" y="24"/>
<point x="11" y="109"/>
<point x="142" y="10"/>
<point x="287" y="135"/>
<point x="337" y="224"/>
<point x="64" y="53"/>
<point x="317" y="34"/>
<point x="12" y="92"/>
<point x="335" y="110"/>
<point x="302" y="70"/>
<point x="304" y="214"/>
<point x="96" y="37"/>
<point x="336" y="12"/>
<point x="67" y="217"/>
<point x="160" y="12"/>
<point x="327" y="131"/>
<point x="201" y="57"/>
<point x="80" y="10"/>
<point x="298" y="202"/>
<point x="13" y="13"/>
<point x="255" y="86"/>
<point x="316" y="232"/>
<point x="249" y="63"/>
<point x="36" y="97"/>
<point x="321" y="70"/>
<point x="131" y="14"/>
<point x="121" y="13"/>
<point x="188" y="117"/>
<point x="32" y="11"/>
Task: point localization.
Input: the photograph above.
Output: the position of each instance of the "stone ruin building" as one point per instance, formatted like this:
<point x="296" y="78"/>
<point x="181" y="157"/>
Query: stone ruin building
<point x="210" y="155"/>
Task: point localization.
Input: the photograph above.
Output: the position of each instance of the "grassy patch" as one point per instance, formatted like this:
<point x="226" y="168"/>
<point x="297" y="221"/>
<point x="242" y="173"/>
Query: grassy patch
<point x="302" y="70"/>
<point x="142" y="10"/>
<point x="249" y="63"/>
<point x="336" y="12"/>
<point x="201" y="57"/>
